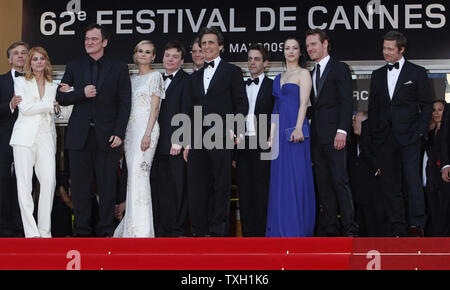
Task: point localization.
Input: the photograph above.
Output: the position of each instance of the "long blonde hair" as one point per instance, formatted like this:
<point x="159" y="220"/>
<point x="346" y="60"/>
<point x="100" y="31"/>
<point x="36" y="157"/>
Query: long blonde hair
<point x="48" y="71"/>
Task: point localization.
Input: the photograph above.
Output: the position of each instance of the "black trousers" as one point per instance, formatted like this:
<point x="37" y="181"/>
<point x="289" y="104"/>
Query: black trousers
<point x="94" y="170"/>
<point x="209" y="209"/>
<point x="369" y="211"/>
<point x="169" y="195"/>
<point x="253" y="178"/>
<point x="10" y="218"/>
<point x="4" y="194"/>
<point x="333" y="191"/>
<point x="369" y="214"/>
<point x="61" y="218"/>
<point x="397" y="163"/>
<point x="438" y="204"/>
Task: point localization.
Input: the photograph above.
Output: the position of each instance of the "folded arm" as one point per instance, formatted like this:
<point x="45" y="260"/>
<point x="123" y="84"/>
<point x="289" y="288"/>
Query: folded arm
<point x="70" y="97"/>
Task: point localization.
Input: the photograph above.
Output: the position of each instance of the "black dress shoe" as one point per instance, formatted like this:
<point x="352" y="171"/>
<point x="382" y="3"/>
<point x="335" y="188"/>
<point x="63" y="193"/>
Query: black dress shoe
<point x="352" y="235"/>
<point x="331" y="234"/>
<point x="416" y="232"/>
<point x="104" y="236"/>
<point x="81" y="236"/>
<point x="194" y="235"/>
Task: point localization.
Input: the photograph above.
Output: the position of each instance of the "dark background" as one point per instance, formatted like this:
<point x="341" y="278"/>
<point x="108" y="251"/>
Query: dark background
<point x="347" y="44"/>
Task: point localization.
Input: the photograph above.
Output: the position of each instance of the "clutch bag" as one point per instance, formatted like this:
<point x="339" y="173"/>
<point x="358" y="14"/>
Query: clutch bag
<point x="305" y="129"/>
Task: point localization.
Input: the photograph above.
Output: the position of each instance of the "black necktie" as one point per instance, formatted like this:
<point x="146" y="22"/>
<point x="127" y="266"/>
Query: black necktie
<point x="18" y="74"/>
<point x="250" y="81"/>
<point x="317" y="79"/>
<point x="395" y="65"/>
<point x="165" y="77"/>
<point x="209" y="64"/>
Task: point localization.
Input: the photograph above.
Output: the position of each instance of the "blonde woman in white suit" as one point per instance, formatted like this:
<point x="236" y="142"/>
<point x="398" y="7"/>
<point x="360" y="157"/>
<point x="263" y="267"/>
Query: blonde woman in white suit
<point x="34" y="141"/>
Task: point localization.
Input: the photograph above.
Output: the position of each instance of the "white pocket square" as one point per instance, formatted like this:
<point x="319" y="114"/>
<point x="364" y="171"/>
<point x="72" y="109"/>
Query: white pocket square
<point x="408" y="83"/>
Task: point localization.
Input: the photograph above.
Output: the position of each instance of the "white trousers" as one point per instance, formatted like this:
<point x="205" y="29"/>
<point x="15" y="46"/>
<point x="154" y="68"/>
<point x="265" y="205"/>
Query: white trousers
<point x="41" y="156"/>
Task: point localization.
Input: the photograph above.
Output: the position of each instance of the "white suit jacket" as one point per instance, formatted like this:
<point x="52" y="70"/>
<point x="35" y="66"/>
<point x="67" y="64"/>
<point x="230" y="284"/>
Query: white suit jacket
<point x="32" y="110"/>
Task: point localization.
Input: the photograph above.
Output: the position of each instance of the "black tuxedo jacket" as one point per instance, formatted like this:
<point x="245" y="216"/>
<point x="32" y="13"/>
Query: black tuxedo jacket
<point x="264" y="104"/>
<point x="366" y="154"/>
<point x="7" y="119"/>
<point x="334" y="105"/>
<point x="109" y="109"/>
<point x="445" y="142"/>
<point x="170" y="106"/>
<point x="359" y="168"/>
<point x="226" y="94"/>
<point x="408" y="114"/>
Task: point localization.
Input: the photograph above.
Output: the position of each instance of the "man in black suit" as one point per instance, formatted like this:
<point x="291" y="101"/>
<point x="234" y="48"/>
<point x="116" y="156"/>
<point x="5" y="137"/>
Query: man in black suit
<point x="198" y="58"/>
<point x="445" y="146"/>
<point x="10" y="220"/>
<point x="331" y="114"/>
<point x="217" y="88"/>
<point x="399" y="116"/>
<point x="444" y="152"/>
<point x="121" y="194"/>
<point x="252" y="171"/>
<point x="169" y="191"/>
<point x="365" y="179"/>
<point x="100" y="91"/>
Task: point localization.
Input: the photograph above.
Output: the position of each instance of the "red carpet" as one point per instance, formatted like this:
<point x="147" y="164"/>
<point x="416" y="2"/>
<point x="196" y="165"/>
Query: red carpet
<point x="225" y="253"/>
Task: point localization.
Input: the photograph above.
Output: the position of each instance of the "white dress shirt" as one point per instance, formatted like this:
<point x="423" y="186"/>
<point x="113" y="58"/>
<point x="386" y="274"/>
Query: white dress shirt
<point x="323" y="63"/>
<point x="392" y="76"/>
<point x="252" y="94"/>
<point x="209" y="73"/>
<point x="13" y="75"/>
<point x="168" y="81"/>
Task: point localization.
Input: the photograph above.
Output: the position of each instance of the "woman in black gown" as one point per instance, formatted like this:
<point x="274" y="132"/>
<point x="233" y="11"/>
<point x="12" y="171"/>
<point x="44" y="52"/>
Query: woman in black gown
<point x="437" y="191"/>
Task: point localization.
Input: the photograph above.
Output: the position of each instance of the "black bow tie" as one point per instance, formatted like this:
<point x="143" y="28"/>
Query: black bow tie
<point x="391" y="66"/>
<point x="18" y="74"/>
<point x="250" y="81"/>
<point x="165" y="77"/>
<point x="209" y="64"/>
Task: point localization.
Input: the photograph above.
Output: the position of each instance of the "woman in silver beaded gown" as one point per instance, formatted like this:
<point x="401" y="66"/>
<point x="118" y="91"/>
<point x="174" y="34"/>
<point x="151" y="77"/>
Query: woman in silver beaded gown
<point x="141" y="139"/>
